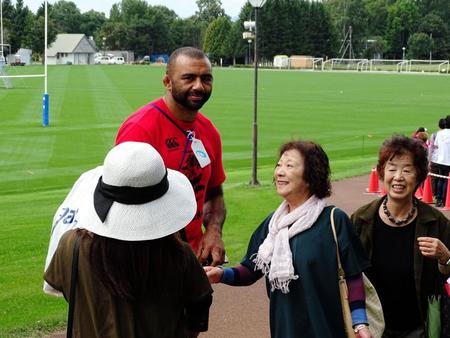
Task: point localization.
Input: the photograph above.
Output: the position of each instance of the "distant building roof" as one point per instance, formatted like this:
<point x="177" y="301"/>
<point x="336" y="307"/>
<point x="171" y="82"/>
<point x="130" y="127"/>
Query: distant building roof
<point x="71" y="43"/>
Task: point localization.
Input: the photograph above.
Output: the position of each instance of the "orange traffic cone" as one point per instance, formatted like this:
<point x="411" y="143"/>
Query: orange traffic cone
<point x="419" y="192"/>
<point x="447" y="197"/>
<point x="373" y="182"/>
<point x="427" y="196"/>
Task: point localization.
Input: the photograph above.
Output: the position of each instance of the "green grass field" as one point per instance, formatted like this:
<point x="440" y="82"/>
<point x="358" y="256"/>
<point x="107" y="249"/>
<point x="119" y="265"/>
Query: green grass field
<point x="348" y="113"/>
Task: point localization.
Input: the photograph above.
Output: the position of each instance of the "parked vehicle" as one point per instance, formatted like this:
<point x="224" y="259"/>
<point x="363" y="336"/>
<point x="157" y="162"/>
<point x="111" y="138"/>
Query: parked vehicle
<point x="17" y="61"/>
<point x="117" y="60"/>
<point x="145" y="60"/>
<point x="103" y="60"/>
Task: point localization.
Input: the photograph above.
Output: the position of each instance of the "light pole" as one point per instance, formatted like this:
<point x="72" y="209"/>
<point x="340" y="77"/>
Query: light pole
<point x="257" y="4"/>
<point x="403" y="48"/>
<point x="431" y="47"/>
<point x="249" y="36"/>
<point x="2" y="56"/>
<point x="104" y="45"/>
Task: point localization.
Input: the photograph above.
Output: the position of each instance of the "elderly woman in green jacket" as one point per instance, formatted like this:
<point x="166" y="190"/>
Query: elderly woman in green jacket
<point x="407" y="241"/>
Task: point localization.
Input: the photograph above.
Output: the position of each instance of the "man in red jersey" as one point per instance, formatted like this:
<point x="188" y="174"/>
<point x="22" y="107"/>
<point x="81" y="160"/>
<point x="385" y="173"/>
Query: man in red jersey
<point x="188" y="142"/>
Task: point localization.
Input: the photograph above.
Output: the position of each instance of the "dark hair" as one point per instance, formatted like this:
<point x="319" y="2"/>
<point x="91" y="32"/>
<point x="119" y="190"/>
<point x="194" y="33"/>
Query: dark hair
<point x="190" y="52"/>
<point x="399" y="145"/>
<point x="133" y="270"/>
<point x="422" y="136"/>
<point x="447" y="122"/>
<point x="317" y="167"/>
<point x="442" y="123"/>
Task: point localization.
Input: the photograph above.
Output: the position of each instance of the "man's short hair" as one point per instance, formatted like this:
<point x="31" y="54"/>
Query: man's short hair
<point x="191" y="52"/>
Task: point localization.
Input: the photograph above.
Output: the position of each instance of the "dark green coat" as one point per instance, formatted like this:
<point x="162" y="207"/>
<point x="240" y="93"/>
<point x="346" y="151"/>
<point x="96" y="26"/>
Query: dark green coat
<point x="312" y="308"/>
<point x="430" y="222"/>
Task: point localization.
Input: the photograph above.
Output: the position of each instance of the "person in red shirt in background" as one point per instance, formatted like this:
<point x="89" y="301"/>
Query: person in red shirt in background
<point x="188" y="142"/>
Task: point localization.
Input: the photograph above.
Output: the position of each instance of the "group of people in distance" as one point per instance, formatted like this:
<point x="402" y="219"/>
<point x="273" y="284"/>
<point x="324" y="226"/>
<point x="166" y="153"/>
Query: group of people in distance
<point x="439" y="160"/>
<point x="131" y="232"/>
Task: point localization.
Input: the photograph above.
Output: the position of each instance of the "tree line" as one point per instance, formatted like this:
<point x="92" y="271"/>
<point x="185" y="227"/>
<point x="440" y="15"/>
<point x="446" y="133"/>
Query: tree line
<point x="388" y="29"/>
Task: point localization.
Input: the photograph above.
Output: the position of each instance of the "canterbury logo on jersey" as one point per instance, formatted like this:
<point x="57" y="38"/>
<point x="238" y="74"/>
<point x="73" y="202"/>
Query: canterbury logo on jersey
<point x="172" y="143"/>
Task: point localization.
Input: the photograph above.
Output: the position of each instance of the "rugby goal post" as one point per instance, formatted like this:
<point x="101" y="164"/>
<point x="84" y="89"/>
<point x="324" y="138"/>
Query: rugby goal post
<point x="6" y="81"/>
<point x="6" y="78"/>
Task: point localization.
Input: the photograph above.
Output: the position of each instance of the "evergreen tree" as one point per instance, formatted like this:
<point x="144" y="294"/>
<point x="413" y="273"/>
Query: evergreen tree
<point x="184" y="32"/>
<point x="216" y="35"/>
<point x="234" y="47"/>
<point x="320" y="31"/>
<point x="19" y="26"/>
<point x="67" y="17"/>
<point x="208" y="11"/>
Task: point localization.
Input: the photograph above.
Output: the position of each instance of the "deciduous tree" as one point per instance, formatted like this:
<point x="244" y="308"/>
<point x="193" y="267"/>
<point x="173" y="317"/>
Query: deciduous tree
<point x="403" y="19"/>
<point x="420" y="45"/>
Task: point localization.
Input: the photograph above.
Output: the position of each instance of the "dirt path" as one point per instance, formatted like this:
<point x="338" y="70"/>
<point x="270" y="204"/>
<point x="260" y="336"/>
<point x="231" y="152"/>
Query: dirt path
<point x="243" y="312"/>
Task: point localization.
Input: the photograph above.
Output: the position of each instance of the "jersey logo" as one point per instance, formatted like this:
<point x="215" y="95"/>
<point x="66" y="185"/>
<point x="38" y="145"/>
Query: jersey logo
<point x="172" y="143"/>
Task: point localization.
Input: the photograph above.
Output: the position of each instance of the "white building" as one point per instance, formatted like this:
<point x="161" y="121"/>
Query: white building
<point x="74" y="49"/>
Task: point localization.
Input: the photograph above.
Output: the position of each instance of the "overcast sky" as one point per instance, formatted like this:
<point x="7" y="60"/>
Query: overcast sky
<point x="184" y="8"/>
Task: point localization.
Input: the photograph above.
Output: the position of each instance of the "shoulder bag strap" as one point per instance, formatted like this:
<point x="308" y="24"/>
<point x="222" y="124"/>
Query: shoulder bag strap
<point x="341" y="271"/>
<point x="73" y="286"/>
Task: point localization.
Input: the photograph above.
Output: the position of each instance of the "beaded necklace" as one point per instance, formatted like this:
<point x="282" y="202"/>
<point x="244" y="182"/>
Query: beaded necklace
<point x="403" y="221"/>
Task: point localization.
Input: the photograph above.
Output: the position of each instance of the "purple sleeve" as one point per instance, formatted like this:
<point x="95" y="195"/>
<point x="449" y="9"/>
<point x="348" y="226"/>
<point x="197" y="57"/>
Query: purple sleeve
<point x="356" y="289"/>
<point x="357" y="299"/>
<point x="240" y="276"/>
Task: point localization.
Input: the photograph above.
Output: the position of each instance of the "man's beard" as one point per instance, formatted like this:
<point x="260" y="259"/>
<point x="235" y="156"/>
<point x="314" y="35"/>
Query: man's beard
<point x="182" y="98"/>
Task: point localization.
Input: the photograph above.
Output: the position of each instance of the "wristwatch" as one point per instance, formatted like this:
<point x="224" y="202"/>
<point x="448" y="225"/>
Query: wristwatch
<point x="446" y="263"/>
<point x="359" y="327"/>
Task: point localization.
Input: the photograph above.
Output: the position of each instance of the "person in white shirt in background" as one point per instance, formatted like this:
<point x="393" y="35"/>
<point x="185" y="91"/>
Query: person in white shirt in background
<point x="433" y="155"/>
<point x="442" y="143"/>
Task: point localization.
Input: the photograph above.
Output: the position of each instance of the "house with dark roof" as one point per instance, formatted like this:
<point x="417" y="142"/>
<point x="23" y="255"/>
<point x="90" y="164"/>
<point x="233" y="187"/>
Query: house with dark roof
<point x="74" y="49"/>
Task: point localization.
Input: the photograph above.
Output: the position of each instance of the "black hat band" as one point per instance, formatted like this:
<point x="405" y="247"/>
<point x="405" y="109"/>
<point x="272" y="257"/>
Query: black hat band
<point x="105" y="195"/>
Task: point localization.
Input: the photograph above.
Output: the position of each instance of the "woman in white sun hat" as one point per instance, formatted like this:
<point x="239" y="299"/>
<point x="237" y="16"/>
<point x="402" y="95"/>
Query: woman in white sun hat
<point x="134" y="276"/>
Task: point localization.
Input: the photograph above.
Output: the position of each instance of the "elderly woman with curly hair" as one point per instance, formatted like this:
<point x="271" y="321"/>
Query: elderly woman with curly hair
<point x="407" y="241"/>
<point x="295" y="250"/>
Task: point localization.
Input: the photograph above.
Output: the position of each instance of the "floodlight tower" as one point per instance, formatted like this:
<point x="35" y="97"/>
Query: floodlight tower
<point x="347" y="44"/>
<point x="257" y="4"/>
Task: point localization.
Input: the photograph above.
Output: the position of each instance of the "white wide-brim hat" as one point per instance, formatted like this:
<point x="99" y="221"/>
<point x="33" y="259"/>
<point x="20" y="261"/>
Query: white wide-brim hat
<point x="135" y="198"/>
